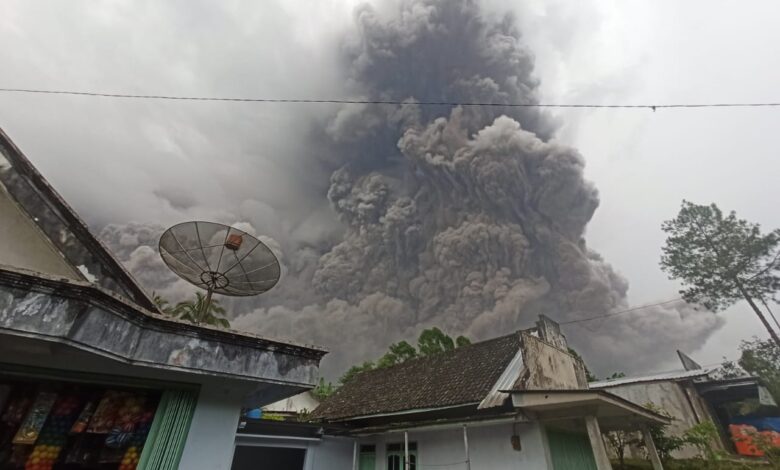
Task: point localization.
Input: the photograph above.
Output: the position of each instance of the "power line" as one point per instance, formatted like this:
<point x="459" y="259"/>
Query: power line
<point x="613" y="314"/>
<point x="770" y="311"/>
<point x="652" y="107"/>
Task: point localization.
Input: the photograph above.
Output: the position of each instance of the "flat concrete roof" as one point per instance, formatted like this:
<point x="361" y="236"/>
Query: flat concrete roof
<point x="613" y="412"/>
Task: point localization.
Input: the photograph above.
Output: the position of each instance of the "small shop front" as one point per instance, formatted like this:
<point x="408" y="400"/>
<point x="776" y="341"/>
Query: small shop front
<point x="50" y="422"/>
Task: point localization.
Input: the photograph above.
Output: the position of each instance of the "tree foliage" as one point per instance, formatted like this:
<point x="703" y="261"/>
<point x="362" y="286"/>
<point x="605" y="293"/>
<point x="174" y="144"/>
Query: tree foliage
<point x="703" y="436"/>
<point x="355" y="370"/>
<point x="619" y="441"/>
<point x="191" y="310"/>
<point x="323" y="389"/>
<point x="665" y="443"/>
<point x="721" y="259"/>
<point x="431" y="341"/>
<point x="718" y="256"/>
<point x="396" y="354"/>
<point x="761" y="358"/>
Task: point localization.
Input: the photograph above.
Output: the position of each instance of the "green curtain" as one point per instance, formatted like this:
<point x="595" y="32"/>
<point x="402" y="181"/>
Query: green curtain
<point x="168" y="433"/>
<point x="570" y="450"/>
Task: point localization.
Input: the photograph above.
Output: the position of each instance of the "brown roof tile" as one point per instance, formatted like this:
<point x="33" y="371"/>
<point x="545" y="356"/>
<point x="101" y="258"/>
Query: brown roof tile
<point x="461" y="376"/>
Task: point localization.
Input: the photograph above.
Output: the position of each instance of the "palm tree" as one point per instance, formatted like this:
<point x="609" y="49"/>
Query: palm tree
<point x="162" y="304"/>
<point x="193" y="311"/>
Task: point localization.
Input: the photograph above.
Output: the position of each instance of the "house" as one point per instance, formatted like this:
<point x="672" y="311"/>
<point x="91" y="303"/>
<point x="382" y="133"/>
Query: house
<point x="693" y="395"/>
<point x="91" y="372"/>
<point x="517" y="401"/>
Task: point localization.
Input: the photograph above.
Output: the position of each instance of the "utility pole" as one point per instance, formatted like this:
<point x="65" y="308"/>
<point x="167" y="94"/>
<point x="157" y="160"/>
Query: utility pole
<point x="758" y="311"/>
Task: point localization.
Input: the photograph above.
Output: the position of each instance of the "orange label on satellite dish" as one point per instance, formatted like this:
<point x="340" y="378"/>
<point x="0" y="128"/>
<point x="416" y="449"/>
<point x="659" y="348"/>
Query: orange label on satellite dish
<point x="234" y="242"/>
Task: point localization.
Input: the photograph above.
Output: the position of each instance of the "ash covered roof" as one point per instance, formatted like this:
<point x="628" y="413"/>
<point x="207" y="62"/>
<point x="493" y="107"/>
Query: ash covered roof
<point x="673" y="376"/>
<point x="461" y="376"/>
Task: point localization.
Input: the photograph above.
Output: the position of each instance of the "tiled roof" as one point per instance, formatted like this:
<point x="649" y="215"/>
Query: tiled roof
<point x="461" y="376"/>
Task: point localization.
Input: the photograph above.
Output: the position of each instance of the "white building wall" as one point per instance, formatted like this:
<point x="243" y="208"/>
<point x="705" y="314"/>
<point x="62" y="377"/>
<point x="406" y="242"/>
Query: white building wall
<point x="209" y="444"/>
<point x="669" y="396"/>
<point x="24" y="245"/>
<point x="489" y="447"/>
<point x="331" y="453"/>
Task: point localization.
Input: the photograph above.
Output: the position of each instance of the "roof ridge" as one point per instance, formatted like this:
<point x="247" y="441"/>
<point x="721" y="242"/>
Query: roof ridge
<point x="438" y="355"/>
<point x="458" y="376"/>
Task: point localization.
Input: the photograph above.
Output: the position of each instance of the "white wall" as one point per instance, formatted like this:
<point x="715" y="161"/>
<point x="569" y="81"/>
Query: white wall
<point x="212" y="432"/>
<point x="489" y="447"/>
<point x="670" y="396"/>
<point x="23" y="244"/>
<point x="330" y="454"/>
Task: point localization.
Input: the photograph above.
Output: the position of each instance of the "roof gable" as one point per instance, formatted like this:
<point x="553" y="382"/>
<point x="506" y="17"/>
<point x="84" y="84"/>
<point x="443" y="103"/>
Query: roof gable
<point x="60" y="224"/>
<point x="464" y="375"/>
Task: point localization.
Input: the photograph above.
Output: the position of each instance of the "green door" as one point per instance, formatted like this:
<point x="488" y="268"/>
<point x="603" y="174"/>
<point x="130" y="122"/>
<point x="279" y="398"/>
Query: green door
<point x="570" y="450"/>
<point x="367" y="461"/>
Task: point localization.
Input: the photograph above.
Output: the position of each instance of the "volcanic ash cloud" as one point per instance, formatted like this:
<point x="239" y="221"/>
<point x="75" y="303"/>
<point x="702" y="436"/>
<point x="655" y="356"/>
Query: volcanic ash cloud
<point x="467" y="218"/>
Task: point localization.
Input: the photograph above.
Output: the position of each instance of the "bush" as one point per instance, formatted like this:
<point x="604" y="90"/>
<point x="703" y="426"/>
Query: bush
<point x="702" y="436"/>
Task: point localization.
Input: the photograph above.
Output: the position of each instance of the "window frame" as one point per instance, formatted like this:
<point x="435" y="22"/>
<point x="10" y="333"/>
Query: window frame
<point x="393" y="449"/>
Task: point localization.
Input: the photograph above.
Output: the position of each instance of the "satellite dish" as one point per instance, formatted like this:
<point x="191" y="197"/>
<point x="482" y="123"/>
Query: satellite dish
<point x="219" y="259"/>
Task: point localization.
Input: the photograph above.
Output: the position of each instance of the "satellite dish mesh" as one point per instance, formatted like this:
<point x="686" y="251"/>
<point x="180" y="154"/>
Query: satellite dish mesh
<point x="219" y="258"/>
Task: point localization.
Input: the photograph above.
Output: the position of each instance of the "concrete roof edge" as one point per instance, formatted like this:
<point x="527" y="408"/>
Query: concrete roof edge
<point x="84" y="289"/>
<point x="25" y="169"/>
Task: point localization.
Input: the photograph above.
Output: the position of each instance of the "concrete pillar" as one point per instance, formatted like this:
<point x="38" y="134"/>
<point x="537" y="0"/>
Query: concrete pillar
<point x="597" y="443"/>
<point x="652" y="452"/>
<point x="406" y="450"/>
<point x="355" y="455"/>
<point x="466" y="447"/>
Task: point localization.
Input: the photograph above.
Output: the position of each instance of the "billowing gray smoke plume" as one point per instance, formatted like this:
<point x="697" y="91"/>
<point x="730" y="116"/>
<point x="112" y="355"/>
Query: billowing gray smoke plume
<point x="467" y="218"/>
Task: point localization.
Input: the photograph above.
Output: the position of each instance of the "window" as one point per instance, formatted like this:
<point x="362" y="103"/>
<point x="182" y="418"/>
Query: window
<point x="367" y="459"/>
<point x="395" y="456"/>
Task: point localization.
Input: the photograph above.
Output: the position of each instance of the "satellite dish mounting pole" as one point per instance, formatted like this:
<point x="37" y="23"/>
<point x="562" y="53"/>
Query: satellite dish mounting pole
<point x="210" y="256"/>
<point x="206" y="304"/>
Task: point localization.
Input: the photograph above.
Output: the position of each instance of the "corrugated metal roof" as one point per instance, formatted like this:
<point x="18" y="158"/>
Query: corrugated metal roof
<point x="673" y="375"/>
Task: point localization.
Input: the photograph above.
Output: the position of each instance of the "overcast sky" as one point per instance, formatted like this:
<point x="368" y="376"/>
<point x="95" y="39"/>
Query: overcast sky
<point x="163" y="162"/>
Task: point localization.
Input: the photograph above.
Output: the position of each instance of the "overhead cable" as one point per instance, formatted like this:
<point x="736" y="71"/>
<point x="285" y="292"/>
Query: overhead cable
<point x="613" y="314"/>
<point x="408" y="102"/>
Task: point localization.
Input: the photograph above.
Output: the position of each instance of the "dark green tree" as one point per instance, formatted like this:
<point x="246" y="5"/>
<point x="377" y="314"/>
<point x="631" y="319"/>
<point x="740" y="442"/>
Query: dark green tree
<point x="762" y="359"/>
<point x="397" y="353"/>
<point x="434" y="341"/>
<point x="355" y="370"/>
<point x="461" y="341"/>
<point x="323" y="389"/>
<point x="431" y="341"/>
<point x="722" y="259"/>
